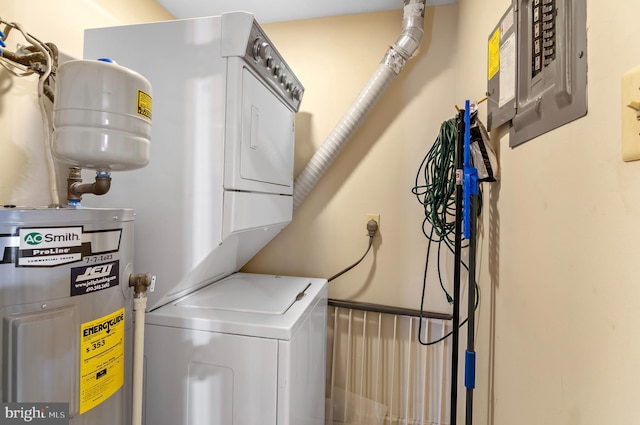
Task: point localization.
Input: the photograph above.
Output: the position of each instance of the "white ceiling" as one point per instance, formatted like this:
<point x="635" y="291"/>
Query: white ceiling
<point x="282" y="10"/>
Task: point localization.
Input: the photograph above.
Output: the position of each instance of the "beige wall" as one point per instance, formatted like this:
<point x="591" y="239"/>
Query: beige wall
<point x="560" y="292"/>
<point x="560" y="295"/>
<point x="557" y="337"/>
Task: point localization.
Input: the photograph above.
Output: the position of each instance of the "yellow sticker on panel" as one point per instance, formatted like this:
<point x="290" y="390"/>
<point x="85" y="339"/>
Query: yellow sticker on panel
<point x="144" y="104"/>
<point x="101" y="359"/>
<point x="494" y="54"/>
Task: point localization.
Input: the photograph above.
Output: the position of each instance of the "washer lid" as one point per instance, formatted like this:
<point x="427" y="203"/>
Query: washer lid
<point x="250" y="294"/>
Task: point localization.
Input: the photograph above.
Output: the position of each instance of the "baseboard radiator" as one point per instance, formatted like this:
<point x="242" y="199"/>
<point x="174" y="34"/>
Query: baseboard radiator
<point x="377" y="371"/>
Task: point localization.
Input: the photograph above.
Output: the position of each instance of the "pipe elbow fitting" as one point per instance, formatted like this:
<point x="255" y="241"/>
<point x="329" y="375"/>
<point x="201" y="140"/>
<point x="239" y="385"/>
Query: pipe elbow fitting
<point x="75" y="187"/>
<point x="102" y="184"/>
<point x="140" y="283"/>
<point x="409" y="41"/>
<point x="412" y="28"/>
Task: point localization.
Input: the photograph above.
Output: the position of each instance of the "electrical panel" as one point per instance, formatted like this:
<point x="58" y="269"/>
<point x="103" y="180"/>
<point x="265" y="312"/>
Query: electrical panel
<point x="550" y="83"/>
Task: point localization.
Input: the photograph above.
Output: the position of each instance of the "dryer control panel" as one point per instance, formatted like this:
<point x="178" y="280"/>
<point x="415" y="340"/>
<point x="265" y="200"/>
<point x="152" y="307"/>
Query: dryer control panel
<point x="263" y="57"/>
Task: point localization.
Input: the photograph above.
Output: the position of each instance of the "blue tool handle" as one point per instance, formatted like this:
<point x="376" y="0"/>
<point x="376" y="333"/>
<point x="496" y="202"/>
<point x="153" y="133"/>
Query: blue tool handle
<point x="470" y="369"/>
<point x="467" y="134"/>
<point x="466" y="186"/>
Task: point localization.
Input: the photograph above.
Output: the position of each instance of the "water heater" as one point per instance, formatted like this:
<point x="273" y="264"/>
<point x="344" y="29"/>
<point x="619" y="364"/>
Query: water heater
<point x="66" y="306"/>
<point x="66" y="310"/>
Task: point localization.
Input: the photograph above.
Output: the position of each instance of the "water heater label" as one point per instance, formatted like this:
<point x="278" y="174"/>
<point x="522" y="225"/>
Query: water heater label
<point x="93" y="278"/>
<point x="56" y="246"/>
<point x="50" y="237"/>
<point x="49" y="246"/>
<point x="101" y="359"/>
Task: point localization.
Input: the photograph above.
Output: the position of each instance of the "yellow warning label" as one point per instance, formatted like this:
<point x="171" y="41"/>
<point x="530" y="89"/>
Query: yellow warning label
<point x="494" y="54"/>
<point x="101" y="359"/>
<point x="144" y="104"/>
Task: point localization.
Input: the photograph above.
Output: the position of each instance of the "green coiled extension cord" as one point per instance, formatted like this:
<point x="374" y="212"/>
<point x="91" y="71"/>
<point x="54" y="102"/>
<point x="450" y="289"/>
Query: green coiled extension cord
<point x="435" y="189"/>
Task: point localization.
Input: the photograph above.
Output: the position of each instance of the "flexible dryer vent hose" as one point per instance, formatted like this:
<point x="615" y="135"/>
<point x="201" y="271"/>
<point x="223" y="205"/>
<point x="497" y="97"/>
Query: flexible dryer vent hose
<point x="389" y="68"/>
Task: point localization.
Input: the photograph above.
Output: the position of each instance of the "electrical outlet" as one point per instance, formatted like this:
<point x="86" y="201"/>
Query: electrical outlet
<point x="631" y="115"/>
<point x="374" y="217"/>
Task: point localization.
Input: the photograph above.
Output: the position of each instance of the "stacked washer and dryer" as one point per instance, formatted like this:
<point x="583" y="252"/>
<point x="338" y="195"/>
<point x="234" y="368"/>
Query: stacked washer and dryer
<point x="221" y="347"/>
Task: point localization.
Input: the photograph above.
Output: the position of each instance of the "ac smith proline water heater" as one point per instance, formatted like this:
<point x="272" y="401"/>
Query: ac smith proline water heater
<point x="66" y="305"/>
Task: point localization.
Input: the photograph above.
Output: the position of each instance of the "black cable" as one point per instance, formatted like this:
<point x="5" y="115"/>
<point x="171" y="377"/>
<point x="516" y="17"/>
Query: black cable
<point x="372" y="228"/>
<point x="353" y="265"/>
<point x="442" y="338"/>
<point x="464" y="322"/>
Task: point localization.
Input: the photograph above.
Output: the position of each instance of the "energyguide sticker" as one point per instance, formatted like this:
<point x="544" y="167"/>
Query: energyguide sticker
<point x="101" y="359"/>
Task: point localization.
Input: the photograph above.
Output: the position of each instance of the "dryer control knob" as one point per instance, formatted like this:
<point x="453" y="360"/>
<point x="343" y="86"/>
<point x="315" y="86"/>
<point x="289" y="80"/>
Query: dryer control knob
<point x="277" y="70"/>
<point x="269" y="62"/>
<point x="261" y="49"/>
<point x="297" y="93"/>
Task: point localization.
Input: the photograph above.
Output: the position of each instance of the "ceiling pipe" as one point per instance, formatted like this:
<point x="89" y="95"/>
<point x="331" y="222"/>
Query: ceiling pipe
<point x="394" y="60"/>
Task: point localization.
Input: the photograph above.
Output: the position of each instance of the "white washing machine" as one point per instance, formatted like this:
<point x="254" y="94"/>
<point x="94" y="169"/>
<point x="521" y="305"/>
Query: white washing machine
<point x="221" y="347"/>
<point x="249" y="349"/>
